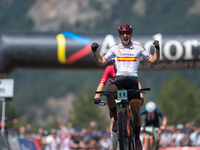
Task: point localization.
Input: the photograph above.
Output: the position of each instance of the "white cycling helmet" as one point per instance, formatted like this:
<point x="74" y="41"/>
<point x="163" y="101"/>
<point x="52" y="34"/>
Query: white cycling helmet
<point x="150" y="106"/>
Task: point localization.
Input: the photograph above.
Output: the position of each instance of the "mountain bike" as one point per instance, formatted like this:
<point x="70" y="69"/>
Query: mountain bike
<point x="125" y="130"/>
<point x="150" y="139"/>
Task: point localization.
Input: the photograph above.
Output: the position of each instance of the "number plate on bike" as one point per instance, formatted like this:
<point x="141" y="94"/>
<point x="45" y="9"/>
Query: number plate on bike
<point x="149" y="128"/>
<point x="121" y="95"/>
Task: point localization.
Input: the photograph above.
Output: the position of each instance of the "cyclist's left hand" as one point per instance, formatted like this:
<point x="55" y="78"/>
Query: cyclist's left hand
<point x="156" y="44"/>
<point x="97" y="100"/>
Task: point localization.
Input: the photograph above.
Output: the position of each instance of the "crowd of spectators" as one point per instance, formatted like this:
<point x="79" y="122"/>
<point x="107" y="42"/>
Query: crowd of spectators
<point x="180" y="135"/>
<point x="68" y="137"/>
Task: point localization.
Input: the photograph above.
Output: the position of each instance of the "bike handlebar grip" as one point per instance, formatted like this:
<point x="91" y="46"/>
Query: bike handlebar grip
<point x="145" y="89"/>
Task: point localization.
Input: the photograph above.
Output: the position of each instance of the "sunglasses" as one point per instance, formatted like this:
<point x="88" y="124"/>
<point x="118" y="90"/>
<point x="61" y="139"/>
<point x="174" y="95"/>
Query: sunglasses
<point x="127" y="33"/>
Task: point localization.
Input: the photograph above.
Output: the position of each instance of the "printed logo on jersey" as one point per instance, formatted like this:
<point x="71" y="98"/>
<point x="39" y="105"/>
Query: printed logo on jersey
<point x="61" y="39"/>
<point x="120" y="54"/>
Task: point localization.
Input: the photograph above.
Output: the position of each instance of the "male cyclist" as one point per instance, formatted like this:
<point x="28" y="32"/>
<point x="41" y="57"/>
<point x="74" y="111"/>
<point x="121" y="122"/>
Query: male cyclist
<point x="110" y="74"/>
<point x="127" y="56"/>
<point x="152" y="115"/>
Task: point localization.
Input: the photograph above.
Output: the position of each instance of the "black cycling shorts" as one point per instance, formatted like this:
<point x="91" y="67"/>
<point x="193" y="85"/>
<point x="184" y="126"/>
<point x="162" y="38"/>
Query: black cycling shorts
<point x="127" y="83"/>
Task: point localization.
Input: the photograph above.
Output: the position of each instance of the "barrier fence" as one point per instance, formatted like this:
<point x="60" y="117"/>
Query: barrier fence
<point x="14" y="142"/>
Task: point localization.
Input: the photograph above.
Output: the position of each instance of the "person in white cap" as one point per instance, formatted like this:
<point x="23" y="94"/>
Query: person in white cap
<point x="178" y="135"/>
<point x="152" y="115"/>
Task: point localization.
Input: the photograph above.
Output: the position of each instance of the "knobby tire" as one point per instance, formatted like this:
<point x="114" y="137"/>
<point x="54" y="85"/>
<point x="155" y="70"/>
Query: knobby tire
<point x="114" y="141"/>
<point x="131" y="145"/>
<point x="148" y="144"/>
<point x="122" y="129"/>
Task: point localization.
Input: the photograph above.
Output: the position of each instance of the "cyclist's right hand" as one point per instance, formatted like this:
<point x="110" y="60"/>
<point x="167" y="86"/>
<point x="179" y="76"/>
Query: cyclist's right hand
<point x="142" y="100"/>
<point x="94" y="46"/>
<point x="97" y="101"/>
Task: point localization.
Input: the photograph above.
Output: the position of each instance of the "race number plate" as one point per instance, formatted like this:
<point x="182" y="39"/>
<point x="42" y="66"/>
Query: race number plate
<point x="121" y="95"/>
<point x="149" y="128"/>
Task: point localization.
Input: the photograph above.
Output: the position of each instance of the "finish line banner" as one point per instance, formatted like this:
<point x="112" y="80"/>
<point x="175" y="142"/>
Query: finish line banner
<point x="68" y="50"/>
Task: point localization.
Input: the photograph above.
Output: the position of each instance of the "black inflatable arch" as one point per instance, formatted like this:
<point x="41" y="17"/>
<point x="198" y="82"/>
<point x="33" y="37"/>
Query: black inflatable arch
<point x="67" y="50"/>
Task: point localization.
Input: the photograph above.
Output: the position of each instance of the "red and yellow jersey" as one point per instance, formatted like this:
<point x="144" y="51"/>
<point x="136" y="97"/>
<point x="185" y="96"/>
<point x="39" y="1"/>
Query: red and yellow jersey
<point x="109" y="74"/>
<point x="127" y="58"/>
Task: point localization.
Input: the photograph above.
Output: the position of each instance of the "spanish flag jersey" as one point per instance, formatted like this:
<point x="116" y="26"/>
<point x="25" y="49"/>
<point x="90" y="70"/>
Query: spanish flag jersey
<point x="127" y="58"/>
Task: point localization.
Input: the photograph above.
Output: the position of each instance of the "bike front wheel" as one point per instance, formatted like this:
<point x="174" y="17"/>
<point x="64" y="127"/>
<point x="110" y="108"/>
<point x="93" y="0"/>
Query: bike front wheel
<point x="122" y="127"/>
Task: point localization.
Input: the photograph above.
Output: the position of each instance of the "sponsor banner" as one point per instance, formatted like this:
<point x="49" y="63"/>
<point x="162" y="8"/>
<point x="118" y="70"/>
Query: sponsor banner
<point x="26" y="144"/>
<point x="13" y="142"/>
<point x="67" y="50"/>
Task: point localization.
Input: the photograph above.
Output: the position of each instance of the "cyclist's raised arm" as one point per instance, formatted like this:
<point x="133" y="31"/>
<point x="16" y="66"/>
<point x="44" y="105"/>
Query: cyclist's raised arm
<point x="98" y="58"/>
<point x="155" y="58"/>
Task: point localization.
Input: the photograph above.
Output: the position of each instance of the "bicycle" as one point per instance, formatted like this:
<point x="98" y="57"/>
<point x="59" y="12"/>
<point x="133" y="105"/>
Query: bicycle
<point x="125" y="130"/>
<point x="150" y="139"/>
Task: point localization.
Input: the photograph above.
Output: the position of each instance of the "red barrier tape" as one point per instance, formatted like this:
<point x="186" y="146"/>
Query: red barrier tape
<point x="180" y="148"/>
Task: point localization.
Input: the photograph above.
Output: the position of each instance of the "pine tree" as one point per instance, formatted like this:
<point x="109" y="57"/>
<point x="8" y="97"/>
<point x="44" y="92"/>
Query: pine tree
<point x="179" y="101"/>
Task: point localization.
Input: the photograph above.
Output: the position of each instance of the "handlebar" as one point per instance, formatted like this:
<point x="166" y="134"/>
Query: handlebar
<point x="107" y="93"/>
<point x="150" y="129"/>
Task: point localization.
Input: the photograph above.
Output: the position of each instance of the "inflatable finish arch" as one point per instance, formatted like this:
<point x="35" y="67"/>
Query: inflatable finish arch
<point x="67" y="50"/>
<point x="44" y="51"/>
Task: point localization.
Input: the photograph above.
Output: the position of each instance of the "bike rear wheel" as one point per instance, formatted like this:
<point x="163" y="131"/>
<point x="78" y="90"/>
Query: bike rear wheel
<point x="148" y="144"/>
<point x="122" y="127"/>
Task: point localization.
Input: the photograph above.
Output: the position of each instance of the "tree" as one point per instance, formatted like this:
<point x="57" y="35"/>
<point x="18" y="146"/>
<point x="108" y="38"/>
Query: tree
<point x="179" y="101"/>
<point x="85" y="110"/>
<point x="12" y="112"/>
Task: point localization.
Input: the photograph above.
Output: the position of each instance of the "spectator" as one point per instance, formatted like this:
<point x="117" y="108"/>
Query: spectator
<point x="94" y="135"/>
<point x="3" y="123"/>
<point x="66" y="141"/>
<point x="43" y="143"/>
<point x="69" y="127"/>
<point x="52" y="141"/>
<point x="77" y="141"/>
<point x="38" y="137"/>
<point x="193" y="136"/>
<point x="22" y="132"/>
<point x="28" y="128"/>
<point x="178" y="135"/>
<point x="15" y="127"/>
<point x="185" y="141"/>
<point x="105" y="142"/>
<point x="85" y="137"/>
<point x="165" y="139"/>
<point x="192" y="126"/>
<point x="62" y="130"/>
<point x="198" y="140"/>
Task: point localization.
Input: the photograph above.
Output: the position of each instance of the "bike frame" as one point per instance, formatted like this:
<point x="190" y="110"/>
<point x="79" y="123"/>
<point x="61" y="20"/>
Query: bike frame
<point x="150" y="138"/>
<point x="125" y="129"/>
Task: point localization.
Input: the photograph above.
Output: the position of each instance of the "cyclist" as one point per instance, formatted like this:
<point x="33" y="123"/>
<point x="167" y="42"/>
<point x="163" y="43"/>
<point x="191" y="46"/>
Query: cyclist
<point x="110" y="74"/>
<point x="152" y="114"/>
<point x="127" y="56"/>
